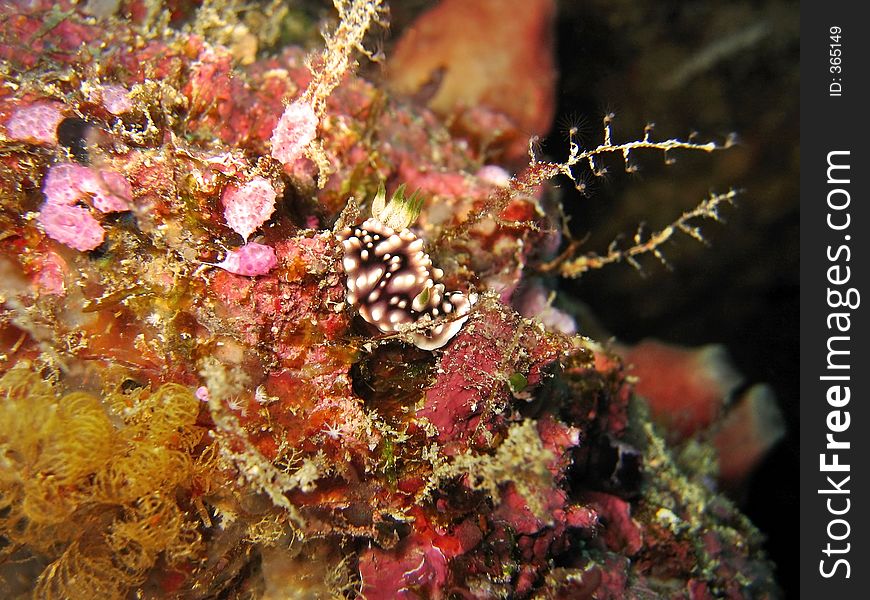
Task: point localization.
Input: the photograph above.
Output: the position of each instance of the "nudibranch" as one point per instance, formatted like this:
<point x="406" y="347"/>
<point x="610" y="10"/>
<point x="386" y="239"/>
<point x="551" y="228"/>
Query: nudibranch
<point x="391" y="280"/>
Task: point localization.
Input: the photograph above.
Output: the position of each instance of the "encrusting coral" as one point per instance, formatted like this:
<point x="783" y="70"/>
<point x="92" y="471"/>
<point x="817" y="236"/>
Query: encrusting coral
<point x="215" y="382"/>
<point x="96" y="499"/>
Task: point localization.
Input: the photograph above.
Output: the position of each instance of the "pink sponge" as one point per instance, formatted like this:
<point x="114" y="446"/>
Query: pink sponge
<point x="36" y="123"/>
<point x="67" y="184"/>
<point x="295" y="130"/>
<point x="62" y="183"/>
<point x="107" y="191"/>
<point x="110" y="191"/>
<point x="246" y="208"/>
<point x="116" y="99"/>
<point x="71" y="225"/>
<point x="250" y="260"/>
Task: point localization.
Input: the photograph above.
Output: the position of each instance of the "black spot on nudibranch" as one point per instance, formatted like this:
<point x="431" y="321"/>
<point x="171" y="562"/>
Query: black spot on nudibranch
<point x="392" y="282"/>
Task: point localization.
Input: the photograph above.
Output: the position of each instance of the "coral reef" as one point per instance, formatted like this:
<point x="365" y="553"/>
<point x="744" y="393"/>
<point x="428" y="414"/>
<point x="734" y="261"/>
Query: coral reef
<point x="203" y="393"/>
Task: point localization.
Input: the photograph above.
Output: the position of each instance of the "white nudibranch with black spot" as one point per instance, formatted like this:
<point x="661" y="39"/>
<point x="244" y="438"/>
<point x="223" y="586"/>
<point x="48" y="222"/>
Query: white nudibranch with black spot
<point x="391" y="280"/>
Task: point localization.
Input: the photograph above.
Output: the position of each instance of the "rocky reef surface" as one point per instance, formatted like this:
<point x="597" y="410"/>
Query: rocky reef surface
<point x="215" y="383"/>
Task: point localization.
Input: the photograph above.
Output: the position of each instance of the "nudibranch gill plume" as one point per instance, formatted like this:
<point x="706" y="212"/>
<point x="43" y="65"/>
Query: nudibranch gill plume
<point x="392" y="281"/>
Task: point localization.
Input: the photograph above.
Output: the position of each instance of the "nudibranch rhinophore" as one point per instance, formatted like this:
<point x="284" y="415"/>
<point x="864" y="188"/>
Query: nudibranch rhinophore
<point x="392" y="282"/>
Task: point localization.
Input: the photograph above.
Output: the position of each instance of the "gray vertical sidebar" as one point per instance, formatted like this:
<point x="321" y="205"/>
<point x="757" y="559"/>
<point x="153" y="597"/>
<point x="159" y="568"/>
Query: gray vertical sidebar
<point x="835" y="299"/>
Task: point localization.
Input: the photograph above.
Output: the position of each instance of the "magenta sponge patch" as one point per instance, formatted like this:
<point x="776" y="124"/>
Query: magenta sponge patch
<point x="71" y="192"/>
<point x="36" y="123"/>
<point x="247" y="207"/>
<point x="250" y="260"/>
<point x="295" y="130"/>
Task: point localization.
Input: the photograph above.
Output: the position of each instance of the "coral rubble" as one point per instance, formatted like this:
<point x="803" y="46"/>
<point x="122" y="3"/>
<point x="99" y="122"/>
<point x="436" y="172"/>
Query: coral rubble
<point x="196" y="399"/>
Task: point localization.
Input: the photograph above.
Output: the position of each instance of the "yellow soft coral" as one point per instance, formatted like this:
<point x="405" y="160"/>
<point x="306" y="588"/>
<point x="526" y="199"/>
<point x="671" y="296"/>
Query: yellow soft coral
<point x="92" y="495"/>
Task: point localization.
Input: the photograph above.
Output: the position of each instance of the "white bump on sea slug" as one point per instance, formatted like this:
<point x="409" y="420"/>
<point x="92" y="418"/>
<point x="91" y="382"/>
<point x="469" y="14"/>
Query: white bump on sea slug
<point x="364" y="255"/>
<point x="403" y="282"/>
<point x="374" y="275"/>
<point x="437" y="294"/>
<point x="391" y="244"/>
